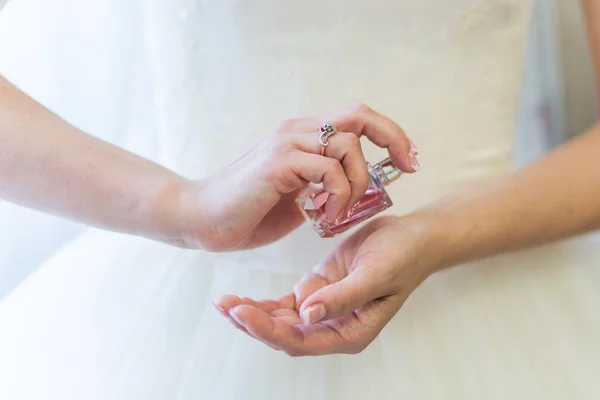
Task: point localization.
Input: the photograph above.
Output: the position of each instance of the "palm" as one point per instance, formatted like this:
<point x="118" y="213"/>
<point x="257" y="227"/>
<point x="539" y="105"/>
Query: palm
<point x="278" y="322"/>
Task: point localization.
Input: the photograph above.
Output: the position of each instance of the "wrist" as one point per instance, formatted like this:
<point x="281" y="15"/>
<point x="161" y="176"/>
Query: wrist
<point x="416" y="232"/>
<point x="174" y="213"/>
<point x="438" y="238"/>
<point x="452" y="233"/>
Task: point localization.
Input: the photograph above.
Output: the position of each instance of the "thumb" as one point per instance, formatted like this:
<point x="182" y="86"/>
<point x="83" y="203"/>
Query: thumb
<point x="362" y="286"/>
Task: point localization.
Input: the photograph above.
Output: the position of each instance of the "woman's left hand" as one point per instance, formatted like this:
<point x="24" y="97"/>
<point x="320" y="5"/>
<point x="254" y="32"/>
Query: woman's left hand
<point x="347" y="300"/>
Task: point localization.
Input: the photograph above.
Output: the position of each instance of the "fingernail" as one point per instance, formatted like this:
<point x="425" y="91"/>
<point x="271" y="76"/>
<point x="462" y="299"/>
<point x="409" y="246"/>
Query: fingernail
<point x="237" y="324"/>
<point x="220" y="309"/>
<point x="341" y="216"/>
<point x="351" y="211"/>
<point x="313" y="314"/>
<point x="414" y="163"/>
<point x="413" y="148"/>
<point x="235" y="317"/>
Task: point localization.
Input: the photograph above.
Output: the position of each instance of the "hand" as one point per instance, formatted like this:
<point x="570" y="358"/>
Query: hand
<point x="251" y="202"/>
<point x="347" y="300"/>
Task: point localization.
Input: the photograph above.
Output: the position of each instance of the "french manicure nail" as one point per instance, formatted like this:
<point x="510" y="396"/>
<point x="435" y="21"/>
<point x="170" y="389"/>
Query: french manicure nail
<point x="235" y="317"/>
<point x="219" y="308"/>
<point x="414" y="163"/>
<point x="313" y="314"/>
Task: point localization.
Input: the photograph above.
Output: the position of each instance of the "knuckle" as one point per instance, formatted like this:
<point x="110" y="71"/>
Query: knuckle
<point x="354" y="141"/>
<point x="279" y="143"/>
<point x="362" y="182"/>
<point x="345" y="304"/>
<point x="272" y="169"/>
<point x="274" y="173"/>
<point x="356" y="115"/>
<point x="278" y="175"/>
<point x="358" y="346"/>
<point x="334" y="166"/>
<point x="345" y="191"/>
<point x="362" y="109"/>
<point x="286" y="126"/>
<point x="349" y="140"/>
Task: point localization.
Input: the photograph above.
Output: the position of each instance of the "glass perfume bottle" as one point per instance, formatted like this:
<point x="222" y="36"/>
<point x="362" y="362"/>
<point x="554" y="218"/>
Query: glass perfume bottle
<point x="311" y="201"/>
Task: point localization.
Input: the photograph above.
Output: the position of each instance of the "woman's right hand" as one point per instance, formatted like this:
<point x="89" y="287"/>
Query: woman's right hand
<point x="251" y="202"/>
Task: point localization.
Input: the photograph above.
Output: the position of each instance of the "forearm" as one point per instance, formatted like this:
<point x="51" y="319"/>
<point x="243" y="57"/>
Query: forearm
<point x="555" y="198"/>
<point x="47" y="164"/>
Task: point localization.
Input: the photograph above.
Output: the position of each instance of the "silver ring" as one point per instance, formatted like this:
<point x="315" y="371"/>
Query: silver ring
<point x="326" y="131"/>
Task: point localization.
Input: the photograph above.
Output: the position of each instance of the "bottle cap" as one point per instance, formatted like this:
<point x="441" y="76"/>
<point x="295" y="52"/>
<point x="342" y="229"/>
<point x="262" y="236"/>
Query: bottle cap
<point x="386" y="171"/>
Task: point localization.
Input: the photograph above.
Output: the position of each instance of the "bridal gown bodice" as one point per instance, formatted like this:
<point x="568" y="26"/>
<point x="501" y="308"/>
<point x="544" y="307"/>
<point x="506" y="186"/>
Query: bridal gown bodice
<point x="194" y="84"/>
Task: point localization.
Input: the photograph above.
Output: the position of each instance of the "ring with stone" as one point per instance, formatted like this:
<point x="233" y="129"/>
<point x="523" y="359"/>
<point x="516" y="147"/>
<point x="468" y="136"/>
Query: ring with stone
<point x="326" y="131"/>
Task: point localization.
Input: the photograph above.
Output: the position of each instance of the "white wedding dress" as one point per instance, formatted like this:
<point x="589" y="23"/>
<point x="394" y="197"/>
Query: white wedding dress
<point x="119" y="317"/>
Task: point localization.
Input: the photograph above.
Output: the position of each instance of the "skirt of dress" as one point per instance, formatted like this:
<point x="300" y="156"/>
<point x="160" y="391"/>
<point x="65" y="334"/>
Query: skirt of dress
<point x="119" y="317"/>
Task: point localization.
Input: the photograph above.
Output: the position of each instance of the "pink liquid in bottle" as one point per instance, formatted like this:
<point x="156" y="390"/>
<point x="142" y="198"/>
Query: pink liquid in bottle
<point x="375" y="200"/>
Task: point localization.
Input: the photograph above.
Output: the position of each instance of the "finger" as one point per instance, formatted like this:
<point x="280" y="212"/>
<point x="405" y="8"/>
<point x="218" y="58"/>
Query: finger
<point x="239" y="326"/>
<point x="265" y="328"/>
<point x="233" y="322"/>
<point x="346" y="148"/>
<point x="225" y="313"/>
<point x="329" y="172"/>
<point x="284" y="306"/>
<point x="362" y="120"/>
<point x="232" y="301"/>
<point x="226" y="303"/>
<point x="288" y="301"/>
<point x="284" y="313"/>
<point x="307" y="286"/>
<point x="290" y="319"/>
<point x="360" y="287"/>
<point x="295" y="340"/>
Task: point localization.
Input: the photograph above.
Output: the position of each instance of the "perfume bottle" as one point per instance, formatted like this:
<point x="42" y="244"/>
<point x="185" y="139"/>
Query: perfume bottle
<point x="311" y="201"/>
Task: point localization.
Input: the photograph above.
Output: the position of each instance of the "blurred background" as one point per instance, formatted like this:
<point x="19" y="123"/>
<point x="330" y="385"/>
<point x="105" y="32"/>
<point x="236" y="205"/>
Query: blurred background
<point x="557" y="99"/>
